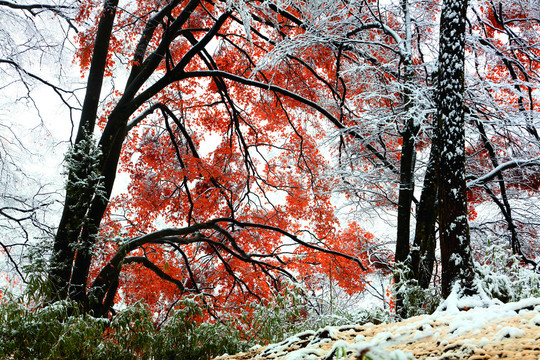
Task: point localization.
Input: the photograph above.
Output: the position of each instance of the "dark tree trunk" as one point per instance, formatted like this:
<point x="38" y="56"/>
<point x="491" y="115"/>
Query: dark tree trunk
<point x="422" y="255"/>
<point x="408" y="151"/>
<point x="76" y="207"/>
<point x="110" y="158"/>
<point x="83" y="212"/>
<point x="456" y="257"/>
<point x="406" y="189"/>
<point x="407" y="161"/>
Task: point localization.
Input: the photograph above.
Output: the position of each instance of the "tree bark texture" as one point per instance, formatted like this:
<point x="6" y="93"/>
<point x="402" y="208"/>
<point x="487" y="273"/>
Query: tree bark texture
<point x="456" y="258"/>
<point x="422" y="256"/>
<point x="407" y="160"/>
<point x="408" y="151"/>
<point x="75" y="211"/>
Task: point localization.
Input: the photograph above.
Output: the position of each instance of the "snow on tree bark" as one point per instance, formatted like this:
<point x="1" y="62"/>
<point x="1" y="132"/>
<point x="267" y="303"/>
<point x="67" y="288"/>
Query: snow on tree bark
<point x="408" y="153"/>
<point x="456" y="258"/>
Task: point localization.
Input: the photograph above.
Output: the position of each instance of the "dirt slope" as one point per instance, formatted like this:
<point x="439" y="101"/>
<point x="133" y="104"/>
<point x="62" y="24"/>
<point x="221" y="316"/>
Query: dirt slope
<point x="510" y="331"/>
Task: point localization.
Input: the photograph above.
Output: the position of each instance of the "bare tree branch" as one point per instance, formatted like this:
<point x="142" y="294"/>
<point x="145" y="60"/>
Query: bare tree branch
<point x="499" y="169"/>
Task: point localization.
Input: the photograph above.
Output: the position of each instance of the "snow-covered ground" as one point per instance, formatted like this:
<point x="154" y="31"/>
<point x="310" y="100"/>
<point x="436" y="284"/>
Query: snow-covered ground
<point x="510" y="331"/>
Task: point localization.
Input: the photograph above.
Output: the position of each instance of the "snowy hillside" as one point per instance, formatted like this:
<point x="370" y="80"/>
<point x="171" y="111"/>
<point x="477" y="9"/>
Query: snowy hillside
<point x="509" y="331"/>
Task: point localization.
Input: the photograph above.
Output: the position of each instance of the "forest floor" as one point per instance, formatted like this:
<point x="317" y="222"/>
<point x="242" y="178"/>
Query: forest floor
<point x="510" y="331"/>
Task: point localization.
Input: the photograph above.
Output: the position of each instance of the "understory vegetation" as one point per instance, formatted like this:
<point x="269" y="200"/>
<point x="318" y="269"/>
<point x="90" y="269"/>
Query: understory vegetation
<point x="61" y="331"/>
<point x="31" y="329"/>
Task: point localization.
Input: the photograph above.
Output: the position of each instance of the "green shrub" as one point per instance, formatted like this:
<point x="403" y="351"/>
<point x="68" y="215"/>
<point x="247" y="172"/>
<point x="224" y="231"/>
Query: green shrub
<point x="276" y="319"/>
<point x="184" y="337"/>
<point x="60" y="331"/>
<point x="502" y="275"/>
<point x="292" y="312"/>
<point x="416" y="300"/>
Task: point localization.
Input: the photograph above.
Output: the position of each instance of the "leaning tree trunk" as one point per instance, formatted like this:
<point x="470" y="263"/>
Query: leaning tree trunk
<point x="456" y="260"/>
<point x="84" y="210"/>
<point x="75" y="216"/>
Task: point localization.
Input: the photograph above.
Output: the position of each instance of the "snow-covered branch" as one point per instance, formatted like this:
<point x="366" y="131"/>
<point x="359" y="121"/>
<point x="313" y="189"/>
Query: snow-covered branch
<point x="499" y="169"/>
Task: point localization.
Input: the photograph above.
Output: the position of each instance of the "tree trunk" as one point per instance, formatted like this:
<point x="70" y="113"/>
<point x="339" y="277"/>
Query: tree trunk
<point x="82" y="214"/>
<point x="116" y="124"/>
<point x="408" y="158"/>
<point x="408" y="151"/>
<point x="456" y="257"/>
<point x="406" y="189"/>
<point x="422" y="255"/>
<point x="75" y="216"/>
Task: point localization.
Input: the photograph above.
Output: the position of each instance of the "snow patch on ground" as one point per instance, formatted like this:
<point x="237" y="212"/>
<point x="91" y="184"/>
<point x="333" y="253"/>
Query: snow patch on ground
<point x="458" y="332"/>
<point x="510" y="332"/>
